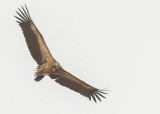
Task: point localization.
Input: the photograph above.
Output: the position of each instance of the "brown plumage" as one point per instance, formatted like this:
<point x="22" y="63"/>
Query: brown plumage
<point x="47" y="65"/>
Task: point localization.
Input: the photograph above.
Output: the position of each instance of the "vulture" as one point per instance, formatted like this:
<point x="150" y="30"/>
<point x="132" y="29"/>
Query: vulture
<point x="47" y="65"/>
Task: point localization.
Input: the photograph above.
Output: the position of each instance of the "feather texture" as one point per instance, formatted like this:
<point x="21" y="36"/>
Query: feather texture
<point x="66" y="79"/>
<point x="33" y="37"/>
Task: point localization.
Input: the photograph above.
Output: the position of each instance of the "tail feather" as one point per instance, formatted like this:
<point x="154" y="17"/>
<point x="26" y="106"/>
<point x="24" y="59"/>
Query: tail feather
<point x="38" y="78"/>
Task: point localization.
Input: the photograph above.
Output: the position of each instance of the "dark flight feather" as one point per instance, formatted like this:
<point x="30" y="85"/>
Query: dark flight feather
<point x="66" y="79"/>
<point x="39" y="78"/>
<point x="25" y="23"/>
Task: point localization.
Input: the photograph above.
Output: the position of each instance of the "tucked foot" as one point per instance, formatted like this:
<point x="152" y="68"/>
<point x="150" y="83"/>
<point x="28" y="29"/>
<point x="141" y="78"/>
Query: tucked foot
<point x="53" y="76"/>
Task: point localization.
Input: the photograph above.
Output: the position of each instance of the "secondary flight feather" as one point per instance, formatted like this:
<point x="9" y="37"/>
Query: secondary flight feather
<point x="47" y="65"/>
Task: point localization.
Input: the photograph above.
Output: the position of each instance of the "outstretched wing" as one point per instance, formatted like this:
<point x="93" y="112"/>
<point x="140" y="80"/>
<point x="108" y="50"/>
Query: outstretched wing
<point x="34" y="39"/>
<point x="64" y="78"/>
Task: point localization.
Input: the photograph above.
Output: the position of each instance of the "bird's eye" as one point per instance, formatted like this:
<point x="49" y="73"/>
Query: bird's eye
<point x="54" y="67"/>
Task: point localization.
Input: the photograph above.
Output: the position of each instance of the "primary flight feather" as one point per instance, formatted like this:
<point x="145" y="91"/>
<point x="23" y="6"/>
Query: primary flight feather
<point x="47" y="65"/>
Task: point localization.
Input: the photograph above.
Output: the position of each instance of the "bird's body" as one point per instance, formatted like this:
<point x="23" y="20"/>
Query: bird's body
<point x="47" y="65"/>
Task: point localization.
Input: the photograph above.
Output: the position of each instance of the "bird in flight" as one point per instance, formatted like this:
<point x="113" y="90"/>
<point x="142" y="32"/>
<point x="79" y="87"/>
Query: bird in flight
<point x="47" y="65"/>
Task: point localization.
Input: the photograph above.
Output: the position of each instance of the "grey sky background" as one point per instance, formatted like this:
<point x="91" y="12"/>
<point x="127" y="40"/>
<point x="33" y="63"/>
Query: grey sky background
<point x="109" y="44"/>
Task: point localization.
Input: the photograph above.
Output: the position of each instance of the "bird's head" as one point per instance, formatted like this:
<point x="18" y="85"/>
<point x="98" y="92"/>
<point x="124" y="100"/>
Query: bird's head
<point x="56" y="66"/>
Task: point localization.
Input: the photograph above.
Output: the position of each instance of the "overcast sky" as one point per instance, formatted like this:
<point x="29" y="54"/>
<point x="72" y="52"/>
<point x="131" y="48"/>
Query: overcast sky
<point x="112" y="44"/>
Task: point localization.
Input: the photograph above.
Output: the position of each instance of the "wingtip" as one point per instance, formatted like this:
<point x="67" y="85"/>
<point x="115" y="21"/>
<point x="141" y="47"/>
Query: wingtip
<point x="25" y="5"/>
<point x="27" y="11"/>
<point x="94" y="98"/>
<point x="97" y="95"/>
<point x="23" y="14"/>
<point x="100" y="94"/>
